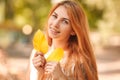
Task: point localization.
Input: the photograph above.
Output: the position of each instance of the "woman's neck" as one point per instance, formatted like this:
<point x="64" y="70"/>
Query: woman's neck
<point x="60" y="44"/>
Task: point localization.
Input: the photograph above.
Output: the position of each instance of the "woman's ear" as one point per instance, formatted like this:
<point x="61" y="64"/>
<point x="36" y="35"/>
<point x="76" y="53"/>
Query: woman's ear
<point x="72" y="33"/>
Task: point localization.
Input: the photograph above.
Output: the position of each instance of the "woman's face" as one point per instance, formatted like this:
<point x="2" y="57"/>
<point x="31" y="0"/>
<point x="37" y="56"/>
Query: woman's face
<point x="59" y="26"/>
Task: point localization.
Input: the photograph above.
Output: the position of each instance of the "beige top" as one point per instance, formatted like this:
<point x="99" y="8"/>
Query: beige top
<point x="33" y="72"/>
<point x="68" y="72"/>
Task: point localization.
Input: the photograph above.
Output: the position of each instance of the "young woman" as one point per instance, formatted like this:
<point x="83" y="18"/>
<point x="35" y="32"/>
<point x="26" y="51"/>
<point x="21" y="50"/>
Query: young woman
<point x="67" y="28"/>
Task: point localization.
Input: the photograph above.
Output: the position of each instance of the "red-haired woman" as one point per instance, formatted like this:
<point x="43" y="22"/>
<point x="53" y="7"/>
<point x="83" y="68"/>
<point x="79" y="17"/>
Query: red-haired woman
<point x="67" y="28"/>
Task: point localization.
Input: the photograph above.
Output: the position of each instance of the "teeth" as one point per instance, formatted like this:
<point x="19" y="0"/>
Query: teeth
<point x="53" y="30"/>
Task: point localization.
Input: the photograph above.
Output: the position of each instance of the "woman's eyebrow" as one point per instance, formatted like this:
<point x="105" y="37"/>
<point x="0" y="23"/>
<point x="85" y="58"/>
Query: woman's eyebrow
<point x="66" y="19"/>
<point x="55" y="13"/>
<point x="63" y="18"/>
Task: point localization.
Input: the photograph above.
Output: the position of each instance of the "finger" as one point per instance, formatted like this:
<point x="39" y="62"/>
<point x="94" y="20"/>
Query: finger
<point x="38" y="64"/>
<point x="48" y="70"/>
<point x="37" y="59"/>
<point x="49" y="67"/>
<point x="38" y="53"/>
<point x="51" y="63"/>
<point x="40" y="58"/>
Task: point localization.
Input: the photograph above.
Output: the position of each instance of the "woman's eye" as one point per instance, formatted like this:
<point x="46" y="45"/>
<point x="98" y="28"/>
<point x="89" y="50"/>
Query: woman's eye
<point x="65" y="22"/>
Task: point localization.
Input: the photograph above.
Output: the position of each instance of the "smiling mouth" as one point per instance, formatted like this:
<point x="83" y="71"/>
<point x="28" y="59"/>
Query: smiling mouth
<point x="54" y="31"/>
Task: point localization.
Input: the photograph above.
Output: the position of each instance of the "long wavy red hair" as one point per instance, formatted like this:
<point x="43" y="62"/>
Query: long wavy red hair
<point x="79" y="44"/>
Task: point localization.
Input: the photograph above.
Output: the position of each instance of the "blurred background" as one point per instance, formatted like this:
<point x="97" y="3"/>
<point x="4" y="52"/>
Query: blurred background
<point x="19" y="19"/>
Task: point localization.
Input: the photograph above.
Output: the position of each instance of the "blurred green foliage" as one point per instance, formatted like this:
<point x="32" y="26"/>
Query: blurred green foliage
<point x="15" y="14"/>
<point x="93" y="13"/>
<point x="32" y="12"/>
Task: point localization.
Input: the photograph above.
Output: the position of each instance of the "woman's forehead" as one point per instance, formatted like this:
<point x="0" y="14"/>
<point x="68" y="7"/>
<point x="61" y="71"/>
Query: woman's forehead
<point x="61" y="11"/>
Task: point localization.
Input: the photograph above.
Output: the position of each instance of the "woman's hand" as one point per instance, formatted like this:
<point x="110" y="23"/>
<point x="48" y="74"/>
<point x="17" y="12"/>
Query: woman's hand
<point x="55" y="70"/>
<point x="39" y="61"/>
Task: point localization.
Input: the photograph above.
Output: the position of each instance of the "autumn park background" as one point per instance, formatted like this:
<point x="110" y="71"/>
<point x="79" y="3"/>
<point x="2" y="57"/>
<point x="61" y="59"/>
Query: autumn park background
<point x="19" y="19"/>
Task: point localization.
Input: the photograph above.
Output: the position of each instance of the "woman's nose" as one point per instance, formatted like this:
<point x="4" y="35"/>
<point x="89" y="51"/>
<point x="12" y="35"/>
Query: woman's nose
<point x="56" y="23"/>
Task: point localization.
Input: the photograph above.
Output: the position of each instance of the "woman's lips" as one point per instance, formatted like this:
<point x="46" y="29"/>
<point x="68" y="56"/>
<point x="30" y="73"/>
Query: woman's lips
<point x="54" y="31"/>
